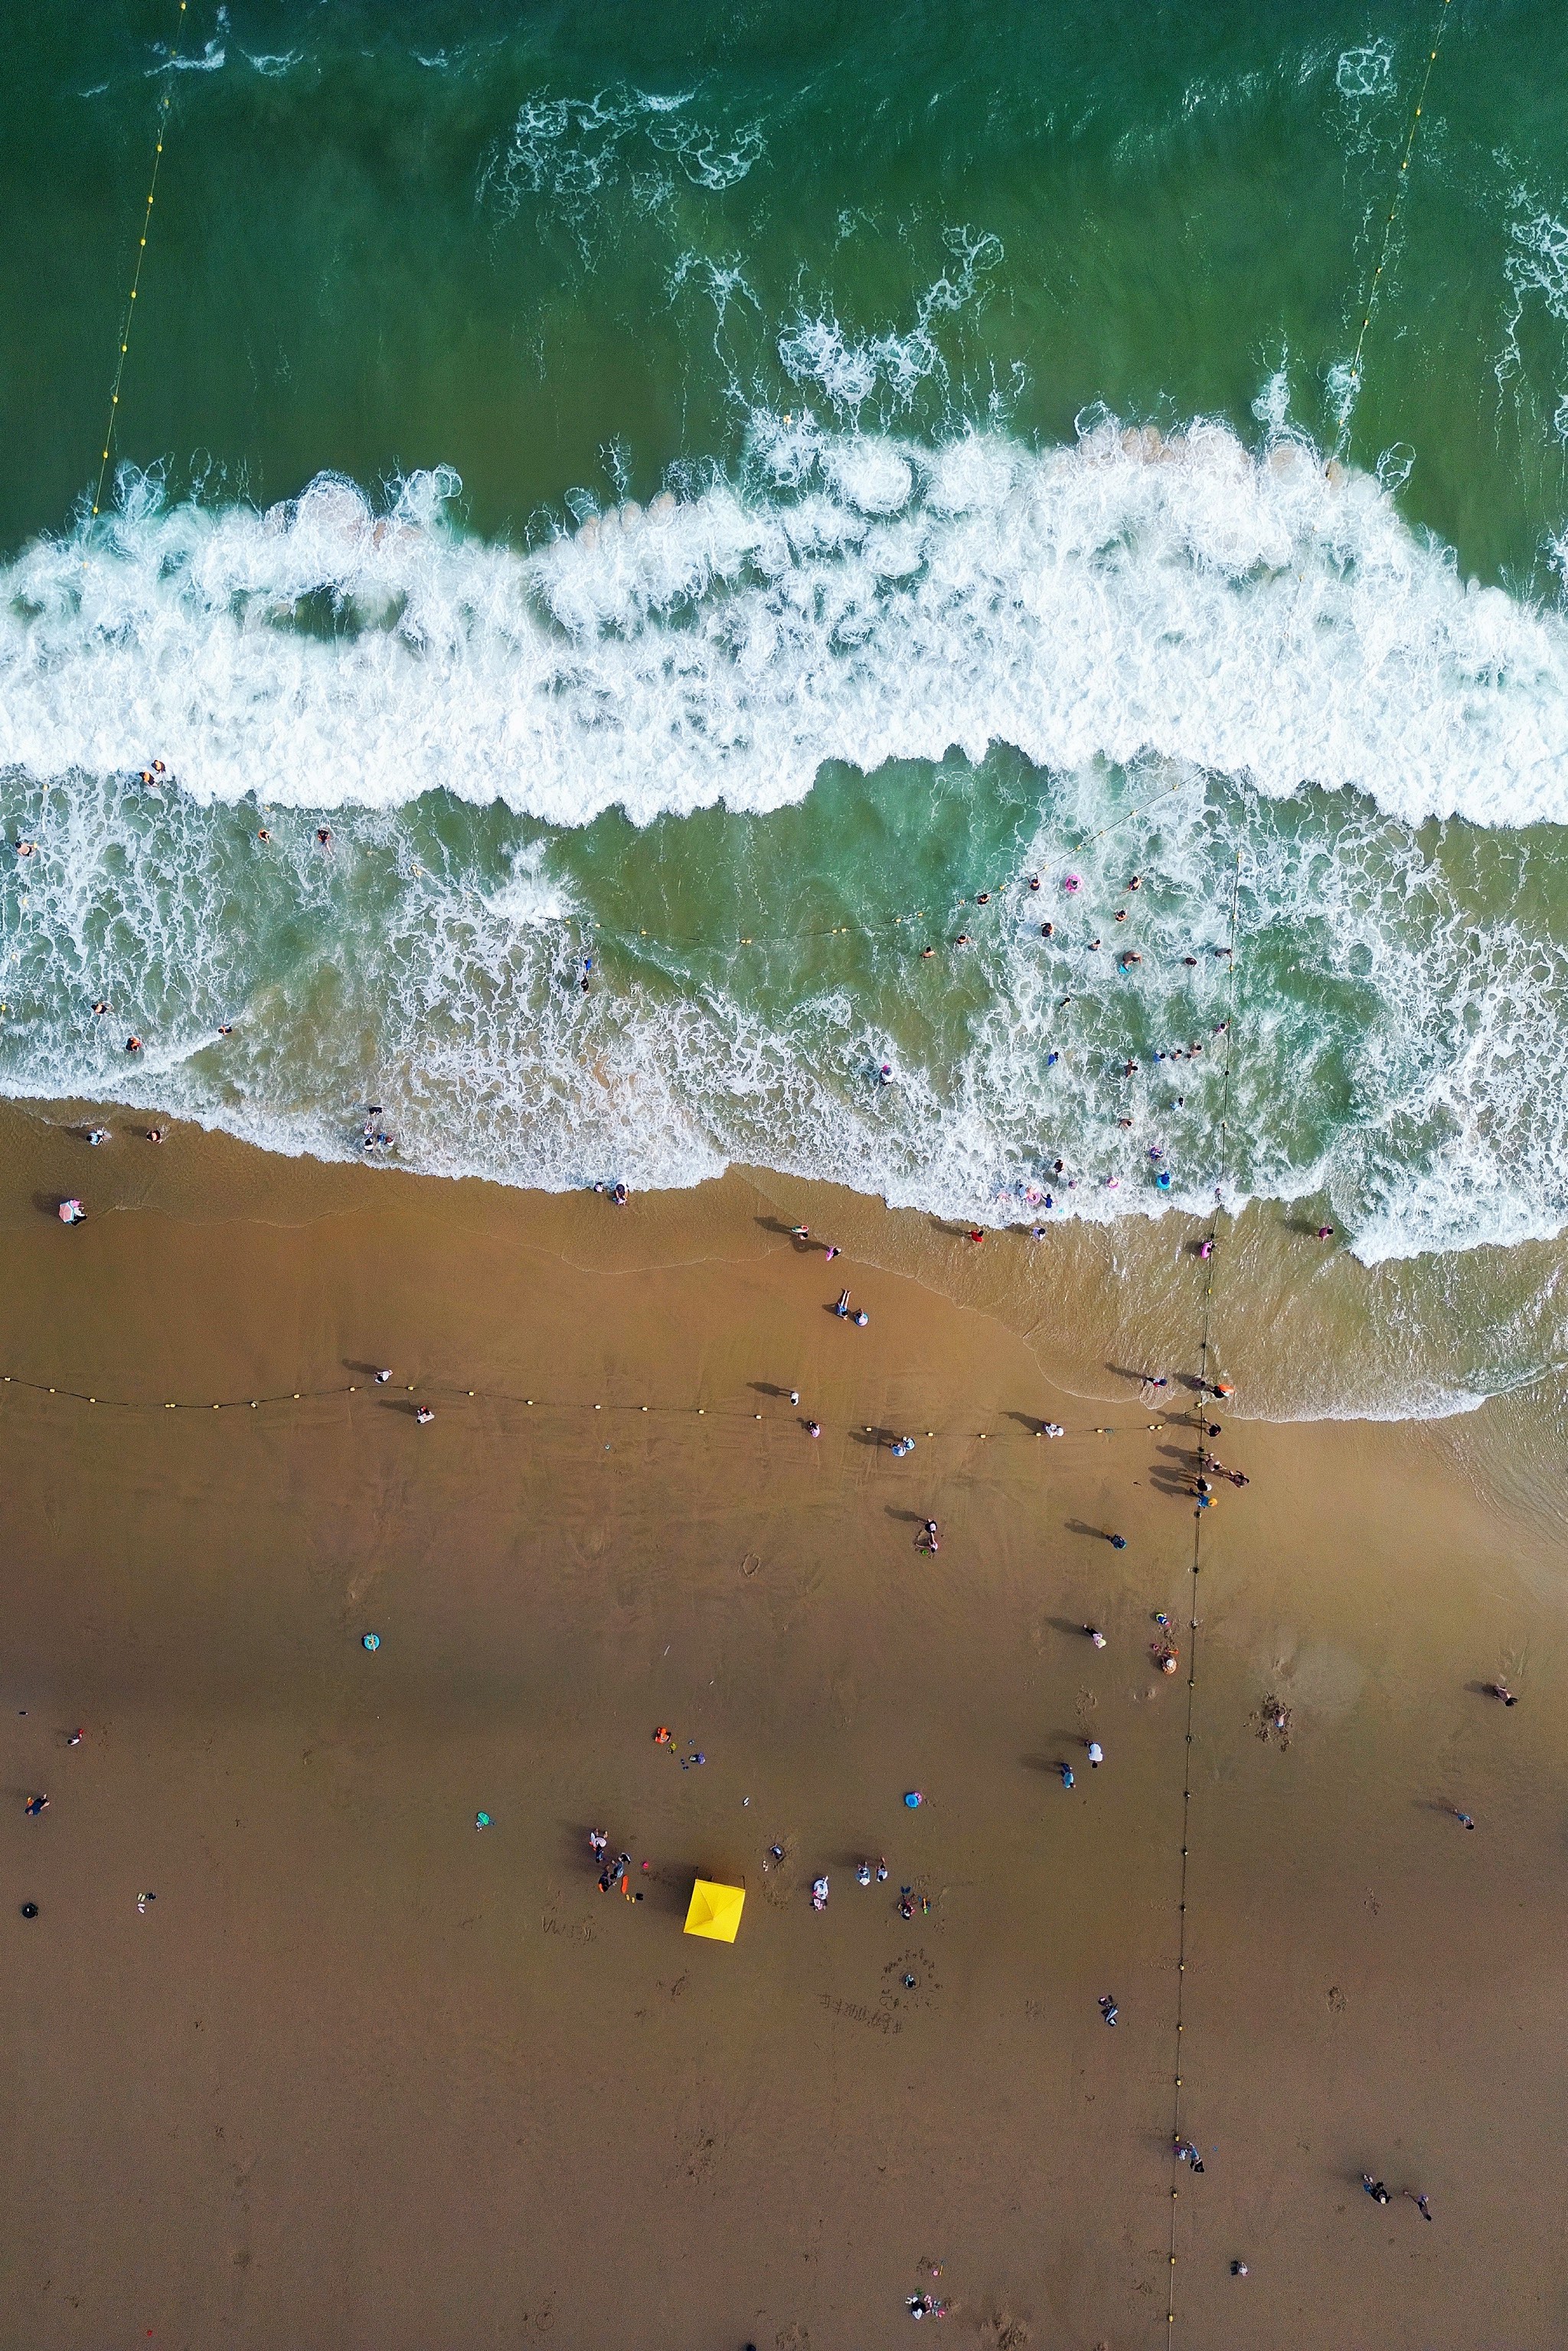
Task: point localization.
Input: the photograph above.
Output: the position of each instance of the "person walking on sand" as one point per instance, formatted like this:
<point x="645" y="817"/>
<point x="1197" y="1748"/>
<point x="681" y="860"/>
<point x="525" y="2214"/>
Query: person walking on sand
<point x="1501" y="1689"/>
<point x="1420" y="2202"/>
<point x="1463" y="1819"/>
<point x="424" y="1416"/>
<point x="598" y="1843"/>
<point x="928" y="1538"/>
<point x="1096" y="1638"/>
<point x="1373" y="2188"/>
<point x="1117" y="1542"/>
<point x="842" y="1308"/>
<point x="1096" y="1754"/>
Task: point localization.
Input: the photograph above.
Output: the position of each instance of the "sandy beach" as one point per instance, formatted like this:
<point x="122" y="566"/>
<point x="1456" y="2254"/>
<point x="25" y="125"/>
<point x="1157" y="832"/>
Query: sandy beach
<point x="360" y="2073"/>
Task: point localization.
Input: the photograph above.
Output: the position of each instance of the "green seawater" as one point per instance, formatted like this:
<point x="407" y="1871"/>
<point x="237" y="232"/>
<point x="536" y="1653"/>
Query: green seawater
<point x="690" y="499"/>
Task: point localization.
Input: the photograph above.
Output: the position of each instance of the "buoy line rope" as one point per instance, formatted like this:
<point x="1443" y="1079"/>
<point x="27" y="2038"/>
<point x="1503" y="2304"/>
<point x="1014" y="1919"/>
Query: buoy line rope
<point x="112" y="427"/>
<point x="440" y="1391"/>
<point x="1399" y="187"/>
<point x="1193" y="1620"/>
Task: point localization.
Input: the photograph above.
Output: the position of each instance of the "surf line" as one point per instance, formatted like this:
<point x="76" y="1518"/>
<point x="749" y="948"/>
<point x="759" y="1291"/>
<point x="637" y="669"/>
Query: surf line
<point x="1205" y="1342"/>
<point x="112" y="427"/>
<point x="1399" y="186"/>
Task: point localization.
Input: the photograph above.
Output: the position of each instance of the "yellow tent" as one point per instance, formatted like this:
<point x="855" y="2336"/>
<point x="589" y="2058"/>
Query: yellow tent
<point x="715" y="1910"/>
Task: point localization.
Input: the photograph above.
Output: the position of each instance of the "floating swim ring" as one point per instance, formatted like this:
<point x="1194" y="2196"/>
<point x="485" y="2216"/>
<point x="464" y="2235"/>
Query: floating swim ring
<point x="372" y="1641"/>
<point x="914" y="1799"/>
<point x="1071" y="884"/>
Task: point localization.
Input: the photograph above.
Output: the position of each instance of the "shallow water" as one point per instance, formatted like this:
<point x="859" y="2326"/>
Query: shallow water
<point x="693" y="508"/>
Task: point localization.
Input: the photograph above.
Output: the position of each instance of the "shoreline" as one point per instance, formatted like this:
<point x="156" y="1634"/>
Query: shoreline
<point x="1310" y="1336"/>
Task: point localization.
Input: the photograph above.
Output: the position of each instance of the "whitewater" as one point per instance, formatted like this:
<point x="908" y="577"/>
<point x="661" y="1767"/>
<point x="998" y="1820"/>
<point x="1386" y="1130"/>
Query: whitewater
<point x="1259" y="615"/>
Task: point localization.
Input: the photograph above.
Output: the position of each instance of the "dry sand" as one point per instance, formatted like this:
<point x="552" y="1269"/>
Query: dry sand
<point x="361" y="2076"/>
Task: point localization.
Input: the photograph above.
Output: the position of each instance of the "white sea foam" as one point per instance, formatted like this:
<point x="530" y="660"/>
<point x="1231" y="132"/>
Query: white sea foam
<point x="564" y="153"/>
<point x="850" y="598"/>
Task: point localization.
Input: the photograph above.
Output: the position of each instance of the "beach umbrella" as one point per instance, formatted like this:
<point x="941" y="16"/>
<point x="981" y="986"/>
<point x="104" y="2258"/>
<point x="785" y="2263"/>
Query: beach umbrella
<point x="715" y="1910"/>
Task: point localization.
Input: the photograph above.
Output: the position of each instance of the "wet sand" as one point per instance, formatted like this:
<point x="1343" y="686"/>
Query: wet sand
<point x="362" y="2075"/>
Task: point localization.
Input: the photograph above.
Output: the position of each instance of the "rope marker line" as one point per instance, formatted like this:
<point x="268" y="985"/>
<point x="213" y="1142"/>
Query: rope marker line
<point x="1388" y="228"/>
<point x="436" y="1388"/>
<point x="1218" y="1216"/>
<point x="111" y="426"/>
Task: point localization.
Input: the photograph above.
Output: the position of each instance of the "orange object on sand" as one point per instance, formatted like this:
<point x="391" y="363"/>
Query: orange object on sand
<point x="661" y="1736"/>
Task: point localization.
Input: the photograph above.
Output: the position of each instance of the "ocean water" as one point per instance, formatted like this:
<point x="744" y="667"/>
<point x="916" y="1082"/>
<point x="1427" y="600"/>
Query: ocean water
<point x="722" y="508"/>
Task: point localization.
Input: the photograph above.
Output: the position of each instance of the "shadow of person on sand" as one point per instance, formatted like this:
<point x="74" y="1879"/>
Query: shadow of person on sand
<point x="803" y="1244"/>
<point x="1070" y="1628"/>
<point x="907" y="1518"/>
<point x="1173" y="1481"/>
